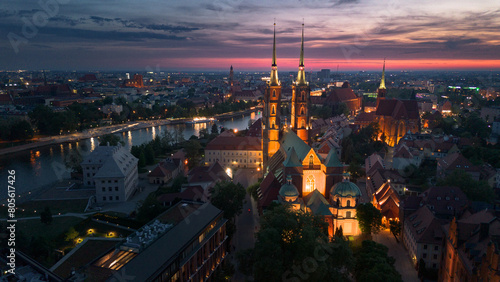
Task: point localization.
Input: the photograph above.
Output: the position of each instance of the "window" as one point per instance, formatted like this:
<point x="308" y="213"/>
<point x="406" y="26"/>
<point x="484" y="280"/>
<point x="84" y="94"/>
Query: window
<point x="104" y="198"/>
<point x="109" y="181"/>
<point x="424" y="255"/>
<point x="111" y="198"/>
<point x="348" y="203"/>
<point x="273" y="110"/>
<point x="425" y="247"/>
<point x="311" y="161"/>
<point x="436" y="248"/>
<point x="117" y="198"/>
<point x="435" y="256"/>
<point x="310" y="183"/>
<point x="348" y="214"/>
<point x="274" y="93"/>
<point x="116" y="188"/>
<point x="301" y="110"/>
<point x="303" y="124"/>
<point x="110" y="189"/>
<point x="116" y="181"/>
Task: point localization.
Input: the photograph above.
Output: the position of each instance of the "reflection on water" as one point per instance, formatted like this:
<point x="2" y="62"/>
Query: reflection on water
<point x="129" y="138"/>
<point x="38" y="168"/>
<point x="92" y="144"/>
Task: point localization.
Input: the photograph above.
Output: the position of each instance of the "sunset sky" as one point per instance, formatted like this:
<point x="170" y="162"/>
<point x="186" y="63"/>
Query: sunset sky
<point x="212" y="35"/>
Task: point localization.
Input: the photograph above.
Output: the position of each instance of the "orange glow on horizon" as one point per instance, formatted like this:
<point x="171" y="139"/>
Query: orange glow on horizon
<point x="291" y="64"/>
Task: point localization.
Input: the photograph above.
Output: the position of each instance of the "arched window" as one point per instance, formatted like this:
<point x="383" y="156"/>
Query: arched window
<point x="302" y="95"/>
<point x="274" y="93"/>
<point x="311" y="161"/>
<point x="348" y="203"/>
<point x="303" y="124"/>
<point x="310" y="183"/>
<point x="273" y="110"/>
<point x="301" y="110"/>
<point x="348" y="214"/>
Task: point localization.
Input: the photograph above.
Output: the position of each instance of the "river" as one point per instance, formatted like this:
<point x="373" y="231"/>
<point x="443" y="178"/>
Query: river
<point x="44" y="166"/>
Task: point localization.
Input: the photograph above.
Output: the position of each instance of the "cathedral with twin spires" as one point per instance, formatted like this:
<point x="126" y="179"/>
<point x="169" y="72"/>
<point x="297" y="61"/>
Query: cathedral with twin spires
<point x="295" y="173"/>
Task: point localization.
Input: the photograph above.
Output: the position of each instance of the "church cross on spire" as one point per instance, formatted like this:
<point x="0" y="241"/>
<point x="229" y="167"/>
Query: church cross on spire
<point x="301" y="77"/>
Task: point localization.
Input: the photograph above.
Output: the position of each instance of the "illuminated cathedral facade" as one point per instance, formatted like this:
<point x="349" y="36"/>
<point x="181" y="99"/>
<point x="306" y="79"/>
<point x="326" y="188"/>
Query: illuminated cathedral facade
<point x="294" y="172"/>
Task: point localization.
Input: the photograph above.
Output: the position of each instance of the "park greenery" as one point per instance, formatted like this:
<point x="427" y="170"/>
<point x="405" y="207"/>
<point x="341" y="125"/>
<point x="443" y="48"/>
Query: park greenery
<point x="294" y="246"/>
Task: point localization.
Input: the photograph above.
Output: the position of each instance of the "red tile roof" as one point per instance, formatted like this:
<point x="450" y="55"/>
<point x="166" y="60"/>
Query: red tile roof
<point x="235" y="143"/>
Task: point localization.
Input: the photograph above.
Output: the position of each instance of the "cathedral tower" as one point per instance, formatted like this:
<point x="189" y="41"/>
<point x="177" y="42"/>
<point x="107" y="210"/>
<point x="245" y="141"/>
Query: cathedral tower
<point x="271" y="113"/>
<point x="231" y="76"/>
<point x="381" y="91"/>
<point x="300" y="100"/>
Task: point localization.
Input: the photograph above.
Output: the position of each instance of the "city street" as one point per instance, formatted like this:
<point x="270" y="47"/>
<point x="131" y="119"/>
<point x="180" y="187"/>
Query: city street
<point x="244" y="237"/>
<point x="403" y="264"/>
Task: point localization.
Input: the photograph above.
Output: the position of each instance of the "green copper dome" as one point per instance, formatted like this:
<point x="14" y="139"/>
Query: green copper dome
<point x="345" y="189"/>
<point x="288" y="189"/>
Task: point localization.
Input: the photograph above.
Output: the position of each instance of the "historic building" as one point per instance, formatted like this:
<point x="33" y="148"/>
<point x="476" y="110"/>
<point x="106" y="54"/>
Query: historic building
<point x="294" y="172"/>
<point x="112" y="170"/>
<point x="395" y="117"/>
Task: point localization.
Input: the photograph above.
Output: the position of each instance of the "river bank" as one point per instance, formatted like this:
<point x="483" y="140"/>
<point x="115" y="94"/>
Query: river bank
<point x="117" y="128"/>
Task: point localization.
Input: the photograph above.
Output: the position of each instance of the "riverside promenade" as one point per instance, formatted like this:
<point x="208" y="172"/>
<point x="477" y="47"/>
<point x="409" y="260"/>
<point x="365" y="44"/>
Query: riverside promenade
<point x="117" y="128"/>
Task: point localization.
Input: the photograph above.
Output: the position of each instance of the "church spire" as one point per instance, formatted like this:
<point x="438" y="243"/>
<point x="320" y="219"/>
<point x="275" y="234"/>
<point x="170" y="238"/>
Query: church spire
<point x="274" y="68"/>
<point x="301" y="77"/>
<point x="382" y="81"/>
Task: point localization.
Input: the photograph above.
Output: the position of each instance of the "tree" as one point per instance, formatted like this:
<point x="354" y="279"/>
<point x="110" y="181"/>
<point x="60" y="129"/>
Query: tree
<point x="369" y="218"/>
<point x="373" y="263"/>
<point x="46" y="216"/>
<point x="421" y="268"/>
<point x="21" y="130"/>
<point x="215" y="129"/>
<point x="142" y="159"/>
<point x="73" y="161"/>
<point x="339" y="233"/>
<point x="149" y="153"/>
<point x="193" y="154"/>
<point x="112" y="139"/>
<point x="395" y="227"/>
<point x="474" y="190"/>
<point x="355" y="170"/>
<point x="292" y="243"/>
<point x="179" y="134"/>
<point x="149" y="209"/>
<point x="71" y="234"/>
<point x="228" y="197"/>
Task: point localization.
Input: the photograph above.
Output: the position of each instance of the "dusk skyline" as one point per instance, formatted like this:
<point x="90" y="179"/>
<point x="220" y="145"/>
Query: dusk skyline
<point x="193" y="35"/>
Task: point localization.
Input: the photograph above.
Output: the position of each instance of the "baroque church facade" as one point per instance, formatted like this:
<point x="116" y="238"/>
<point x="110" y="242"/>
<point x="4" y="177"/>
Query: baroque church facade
<point x="294" y="172"/>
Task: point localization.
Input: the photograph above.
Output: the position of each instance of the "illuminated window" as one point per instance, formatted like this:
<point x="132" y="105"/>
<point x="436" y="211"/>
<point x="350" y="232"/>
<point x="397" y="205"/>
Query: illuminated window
<point x="348" y="203"/>
<point x="273" y="110"/>
<point x="311" y="160"/>
<point x="348" y="214"/>
<point x="302" y="110"/>
<point x="310" y="183"/>
<point x="303" y="124"/>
